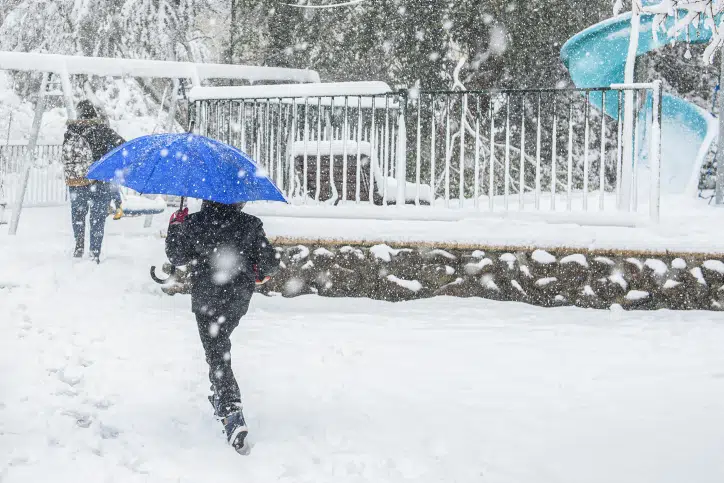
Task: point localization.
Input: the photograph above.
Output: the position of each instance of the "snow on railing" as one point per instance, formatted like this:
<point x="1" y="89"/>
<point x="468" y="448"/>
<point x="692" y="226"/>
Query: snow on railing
<point x="116" y="67"/>
<point x="283" y="91"/>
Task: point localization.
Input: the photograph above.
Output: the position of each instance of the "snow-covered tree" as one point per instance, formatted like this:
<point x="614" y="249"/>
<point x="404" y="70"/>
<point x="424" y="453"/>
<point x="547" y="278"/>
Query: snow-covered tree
<point x="686" y="14"/>
<point x="158" y="29"/>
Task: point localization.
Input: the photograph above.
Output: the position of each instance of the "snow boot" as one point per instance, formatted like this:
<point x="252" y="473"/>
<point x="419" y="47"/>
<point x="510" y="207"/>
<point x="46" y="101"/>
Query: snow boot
<point x="118" y="214"/>
<point x="78" y="252"/>
<point x="236" y="430"/>
<point x="234" y="424"/>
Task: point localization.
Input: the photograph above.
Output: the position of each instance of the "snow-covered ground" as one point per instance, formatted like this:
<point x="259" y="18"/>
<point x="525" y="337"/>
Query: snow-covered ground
<point x="687" y="225"/>
<point x="102" y="378"/>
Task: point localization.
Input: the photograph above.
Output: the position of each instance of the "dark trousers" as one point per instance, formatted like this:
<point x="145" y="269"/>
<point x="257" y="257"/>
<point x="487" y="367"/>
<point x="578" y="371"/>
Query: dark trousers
<point x="215" y="331"/>
<point x="94" y="198"/>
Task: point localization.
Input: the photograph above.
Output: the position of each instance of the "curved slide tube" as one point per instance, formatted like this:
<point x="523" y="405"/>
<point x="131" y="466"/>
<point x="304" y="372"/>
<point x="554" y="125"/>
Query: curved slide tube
<point x="596" y="57"/>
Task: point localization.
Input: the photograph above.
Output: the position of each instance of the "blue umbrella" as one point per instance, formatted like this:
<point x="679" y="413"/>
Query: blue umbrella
<point x="186" y="165"/>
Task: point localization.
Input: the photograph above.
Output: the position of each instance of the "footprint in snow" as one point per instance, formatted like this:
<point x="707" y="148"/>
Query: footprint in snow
<point x="101" y="404"/>
<point x="83" y="420"/>
<point x="108" y="432"/>
<point x="70" y="376"/>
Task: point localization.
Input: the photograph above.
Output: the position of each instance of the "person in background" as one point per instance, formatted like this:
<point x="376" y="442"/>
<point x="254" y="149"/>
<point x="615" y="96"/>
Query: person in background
<point x="226" y="253"/>
<point x="86" y="140"/>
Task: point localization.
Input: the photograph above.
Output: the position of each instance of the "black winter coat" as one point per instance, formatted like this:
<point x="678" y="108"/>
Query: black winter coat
<point x="221" y="247"/>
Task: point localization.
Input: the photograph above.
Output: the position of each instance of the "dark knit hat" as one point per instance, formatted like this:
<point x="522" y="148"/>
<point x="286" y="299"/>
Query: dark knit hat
<point x="86" y="110"/>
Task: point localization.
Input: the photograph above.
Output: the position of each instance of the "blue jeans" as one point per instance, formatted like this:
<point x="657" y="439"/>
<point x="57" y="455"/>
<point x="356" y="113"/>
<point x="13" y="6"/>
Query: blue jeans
<point x="94" y="198"/>
<point x="116" y="196"/>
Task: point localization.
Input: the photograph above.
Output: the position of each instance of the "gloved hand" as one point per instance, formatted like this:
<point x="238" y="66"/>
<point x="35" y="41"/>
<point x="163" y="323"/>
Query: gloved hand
<point x="258" y="281"/>
<point x="178" y="217"/>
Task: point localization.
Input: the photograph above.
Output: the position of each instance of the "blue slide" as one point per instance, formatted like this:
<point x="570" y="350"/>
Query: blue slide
<point x="596" y="57"/>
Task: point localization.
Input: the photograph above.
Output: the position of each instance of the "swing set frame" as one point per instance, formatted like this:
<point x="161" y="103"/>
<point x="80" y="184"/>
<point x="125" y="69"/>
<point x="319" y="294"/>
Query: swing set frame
<point x="58" y="69"/>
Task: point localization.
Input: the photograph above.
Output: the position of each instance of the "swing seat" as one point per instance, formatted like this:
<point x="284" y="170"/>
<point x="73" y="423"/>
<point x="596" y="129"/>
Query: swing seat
<point x="141" y="212"/>
<point x="135" y="205"/>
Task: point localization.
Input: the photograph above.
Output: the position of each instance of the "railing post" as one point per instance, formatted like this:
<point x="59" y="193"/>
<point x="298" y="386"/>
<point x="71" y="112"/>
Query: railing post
<point x="627" y="174"/>
<point x="719" y="192"/>
<point x="401" y="170"/>
<point x="28" y="161"/>
<point x="173" y="105"/>
<point x="655" y="155"/>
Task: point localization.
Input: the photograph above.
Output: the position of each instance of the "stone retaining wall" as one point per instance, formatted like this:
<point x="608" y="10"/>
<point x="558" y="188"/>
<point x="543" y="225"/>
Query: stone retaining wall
<point x="538" y="277"/>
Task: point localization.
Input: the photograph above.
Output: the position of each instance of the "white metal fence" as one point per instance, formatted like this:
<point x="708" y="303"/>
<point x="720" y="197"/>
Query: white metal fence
<point x="46" y="185"/>
<point x="515" y="150"/>
<point x="524" y="150"/>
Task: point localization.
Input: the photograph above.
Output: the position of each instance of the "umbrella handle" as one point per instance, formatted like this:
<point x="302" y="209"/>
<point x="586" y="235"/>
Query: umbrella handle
<point x="181" y="205"/>
<point x="160" y="280"/>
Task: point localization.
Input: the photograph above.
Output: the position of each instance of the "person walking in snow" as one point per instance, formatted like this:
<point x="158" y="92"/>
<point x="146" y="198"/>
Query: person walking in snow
<point x="227" y="253"/>
<point x="86" y="140"/>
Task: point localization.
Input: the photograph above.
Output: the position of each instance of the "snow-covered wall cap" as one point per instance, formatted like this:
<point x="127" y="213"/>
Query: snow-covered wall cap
<point x="106" y="66"/>
<point x="329" y="89"/>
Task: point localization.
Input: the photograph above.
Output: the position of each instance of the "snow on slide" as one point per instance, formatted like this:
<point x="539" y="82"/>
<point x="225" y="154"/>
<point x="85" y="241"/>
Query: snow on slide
<point x="102" y="379"/>
<point x="596" y="57"/>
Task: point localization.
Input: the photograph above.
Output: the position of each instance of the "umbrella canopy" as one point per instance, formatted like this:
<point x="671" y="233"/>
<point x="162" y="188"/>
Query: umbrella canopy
<point x="186" y="165"/>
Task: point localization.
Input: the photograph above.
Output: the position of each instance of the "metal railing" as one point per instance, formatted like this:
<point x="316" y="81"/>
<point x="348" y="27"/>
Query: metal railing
<point x="317" y="150"/>
<point x="46" y="185"/>
<point x="494" y="150"/>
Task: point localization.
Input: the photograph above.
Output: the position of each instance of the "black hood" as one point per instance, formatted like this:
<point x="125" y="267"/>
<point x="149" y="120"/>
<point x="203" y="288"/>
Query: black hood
<point x="221" y="208"/>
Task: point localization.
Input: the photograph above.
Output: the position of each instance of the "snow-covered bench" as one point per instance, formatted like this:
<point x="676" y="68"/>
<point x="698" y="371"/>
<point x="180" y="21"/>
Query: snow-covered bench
<point x="316" y="152"/>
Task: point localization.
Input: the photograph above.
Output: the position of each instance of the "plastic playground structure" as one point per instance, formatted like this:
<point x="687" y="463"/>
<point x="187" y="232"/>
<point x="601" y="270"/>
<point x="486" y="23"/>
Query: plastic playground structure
<point x="597" y="57"/>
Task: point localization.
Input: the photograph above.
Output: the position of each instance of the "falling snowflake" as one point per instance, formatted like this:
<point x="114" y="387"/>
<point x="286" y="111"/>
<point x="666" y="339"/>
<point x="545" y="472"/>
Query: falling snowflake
<point x="119" y="176"/>
<point x="226" y="265"/>
<point x="294" y="286"/>
<point x="261" y="173"/>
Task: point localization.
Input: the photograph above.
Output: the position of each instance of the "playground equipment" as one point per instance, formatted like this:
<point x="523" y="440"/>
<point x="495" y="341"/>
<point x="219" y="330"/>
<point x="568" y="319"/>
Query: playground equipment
<point x="597" y="56"/>
<point x="58" y="69"/>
